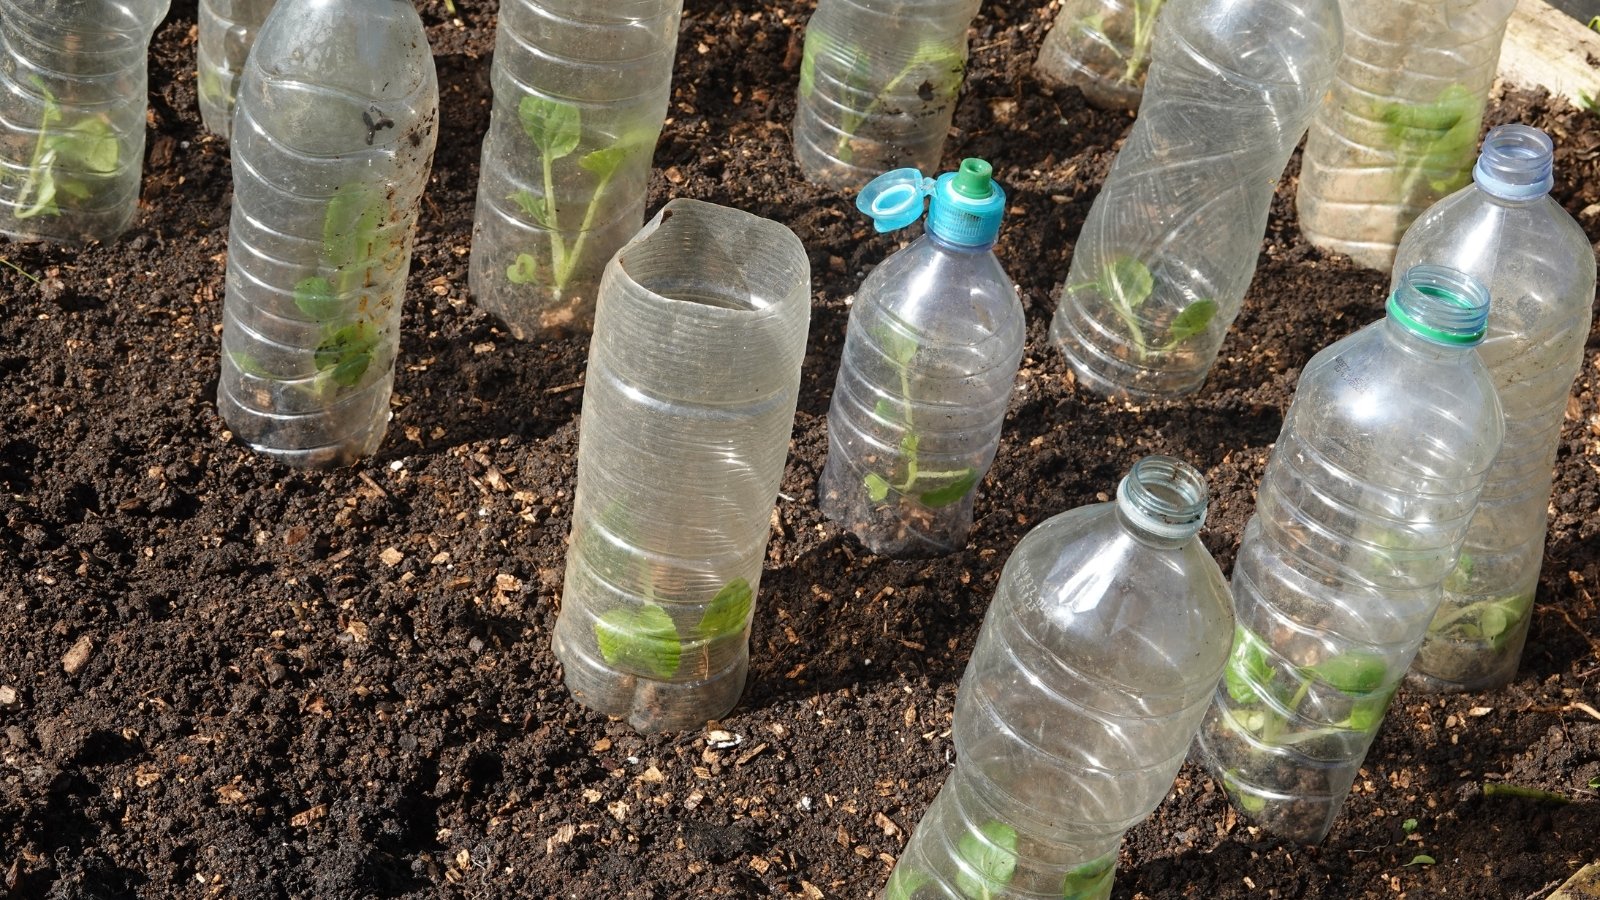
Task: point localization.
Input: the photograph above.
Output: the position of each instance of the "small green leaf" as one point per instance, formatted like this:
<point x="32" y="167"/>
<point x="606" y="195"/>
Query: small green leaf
<point x="642" y="639"/>
<point x="884" y="409"/>
<point x="877" y="487"/>
<point x="350" y="233"/>
<point x="604" y="162"/>
<point x="1129" y="282"/>
<point x="1194" y="319"/>
<point x="1594" y="782"/>
<point x="952" y="492"/>
<point x="1408" y="826"/>
<point x="1366" y="713"/>
<point x="728" y="612"/>
<point x="909" y="444"/>
<point x="523" y="271"/>
<point x="1249" y="667"/>
<point x="349" y="370"/>
<point x="90" y="145"/>
<point x="1091" y="880"/>
<point x="347" y="351"/>
<point x="1421" y="859"/>
<point x="1245" y="800"/>
<point x="247" y="364"/>
<point x="1352" y="673"/>
<point x="554" y="126"/>
<point x="314" y="297"/>
<point x="904" y="883"/>
<point x="899" y="345"/>
<point x="992" y="853"/>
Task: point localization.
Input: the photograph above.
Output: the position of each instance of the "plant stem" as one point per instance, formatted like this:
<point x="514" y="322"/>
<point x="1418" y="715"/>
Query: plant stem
<point x="564" y="272"/>
<point x="1517" y="791"/>
<point x="19" y="270"/>
<point x="558" y="247"/>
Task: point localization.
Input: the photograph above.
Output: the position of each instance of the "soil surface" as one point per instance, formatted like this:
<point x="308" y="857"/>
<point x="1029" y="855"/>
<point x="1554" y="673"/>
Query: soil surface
<point x="222" y="678"/>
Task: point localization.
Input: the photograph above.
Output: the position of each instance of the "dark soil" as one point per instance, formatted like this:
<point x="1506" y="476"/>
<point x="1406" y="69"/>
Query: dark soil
<point x="290" y="684"/>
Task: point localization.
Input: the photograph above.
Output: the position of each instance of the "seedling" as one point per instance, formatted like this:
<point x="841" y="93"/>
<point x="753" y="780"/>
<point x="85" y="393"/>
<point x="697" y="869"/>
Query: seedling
<point x="1421" y="859"/>
<point x="1126" y="285"/>
<point x="646" y="638"/>
<point x="934" y="489"/>
<point x="1493" y="621"/>
<point x="941" y="67"/>
<point x="1517" y="792"/>
<point x="1270" y="696"/>
<point x="990" y="857"/>
<point x="1434" y="142"/>
<point x="1139" y="37"/>
<point x="1408" y="826"/>
<point x="68" y="160"/>
<point x="556" y="129"/>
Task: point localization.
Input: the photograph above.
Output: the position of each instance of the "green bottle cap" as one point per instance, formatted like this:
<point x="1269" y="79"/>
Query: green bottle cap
<point x="974" y="179"/>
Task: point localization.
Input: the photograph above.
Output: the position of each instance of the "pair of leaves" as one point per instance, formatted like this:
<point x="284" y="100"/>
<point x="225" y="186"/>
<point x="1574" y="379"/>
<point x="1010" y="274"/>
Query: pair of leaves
<point x="346" y="352"/>
<point x="991" y="857"/>
<point x="878" y="489"/>
<point x="1437" y="138"/>
<point x="87" y="147"/>
<point x="524" y="270"/>
<point x="1128" y="283"/>
<point x="645" y="638"/>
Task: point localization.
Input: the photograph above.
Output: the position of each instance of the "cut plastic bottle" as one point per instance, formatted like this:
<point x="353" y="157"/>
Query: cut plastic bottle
<point x="930" y="357"/>
<point x="333" y="139"/>
<point x="1101" y="47"/>
<point x="1359" y="519"/>
<point x="1539" y="267"/>
<point x="688" y="404"/>
<point x="1400" y="128"/>
<point x="1097" y="659"/>
<point x="72" y="115"/>
<point x="1170" y="245"/>
<point x="878" y="87"/>
<point x="580" y="94"/>
<point x="227" y="31"/>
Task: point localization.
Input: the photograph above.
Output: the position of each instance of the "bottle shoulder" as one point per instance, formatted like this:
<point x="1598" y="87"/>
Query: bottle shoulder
<point x="944" y="296"/>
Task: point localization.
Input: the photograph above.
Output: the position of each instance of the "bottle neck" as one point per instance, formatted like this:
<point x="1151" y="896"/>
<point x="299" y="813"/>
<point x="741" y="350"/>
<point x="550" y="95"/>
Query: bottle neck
<point x="1516" y="165"/>
<point x="950" y="247"/>
<point x="1441" y="307"/>
<point x="1162" y="501"/>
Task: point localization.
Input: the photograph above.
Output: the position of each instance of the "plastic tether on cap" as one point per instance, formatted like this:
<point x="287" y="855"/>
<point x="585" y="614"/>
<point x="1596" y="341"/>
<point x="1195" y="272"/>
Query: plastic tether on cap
<point x="895" y="199"/>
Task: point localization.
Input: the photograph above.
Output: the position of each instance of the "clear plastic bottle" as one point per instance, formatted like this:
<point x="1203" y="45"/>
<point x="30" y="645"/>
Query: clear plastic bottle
<point x="878" y="86"/>
<point x="1097" y="658"/>
<point x="580" y="94"/>
<point x="227" y="32"/>
<point x="694" y="372"/>
<point x="332" y="142"/>
<point x="1171" y="242"/>
<point x="1101" y="47"/>
<point x="1400" y="127"/>
<point x="930" y="356"/>
<point x="1359" y="518"/>
<point x="72" y="115"/>
<point x="1508" y="232"/>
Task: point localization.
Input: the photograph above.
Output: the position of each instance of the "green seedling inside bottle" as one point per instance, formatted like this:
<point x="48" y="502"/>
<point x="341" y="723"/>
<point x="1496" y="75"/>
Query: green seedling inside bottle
<point x="1270" y="696"/>
<point x="68" y="159"/>
<point x="1126" y="285"/>
<point x="934" y="489"/>
<point x="1434" y="144"/>
<point x="647" y="639"/>
<point x="1492" y="621"/>
<point x="556" y="129"/>
<point x="1143" y="32"/>
<point x="941" y="68"/>
<point x="990" y="857"/>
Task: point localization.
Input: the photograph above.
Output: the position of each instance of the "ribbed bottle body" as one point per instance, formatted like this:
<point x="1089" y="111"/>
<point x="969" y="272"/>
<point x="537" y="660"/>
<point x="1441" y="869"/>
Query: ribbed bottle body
<point x="333" y="140"/>
<point x="878" y="86"/>
<point x="1540" y="271"/>
<point x="1359" y="519"/>
<point x="227" y="31"/>
<point x="72" y="115"/>
<point x="1170" y="245"/>
<point x="580" y="94"/>
<point x="1103" y="48"/>
<point x="1400" y="128"/>
<point x="1093" y="669"/>
<point x="688" y="404"/>
<point x="930" y="357"/>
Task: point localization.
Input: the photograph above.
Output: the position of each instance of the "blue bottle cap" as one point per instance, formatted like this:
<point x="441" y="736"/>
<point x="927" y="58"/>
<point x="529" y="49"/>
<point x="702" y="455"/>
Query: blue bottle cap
<point x="967" y="209"/>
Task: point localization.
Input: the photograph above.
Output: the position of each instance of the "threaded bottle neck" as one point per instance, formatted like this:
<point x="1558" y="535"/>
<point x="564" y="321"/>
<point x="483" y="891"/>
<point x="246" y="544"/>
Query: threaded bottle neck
<point x="1517" y="163"/>
<point x="1163" y="499"/>
<point x="1441" y="305"/>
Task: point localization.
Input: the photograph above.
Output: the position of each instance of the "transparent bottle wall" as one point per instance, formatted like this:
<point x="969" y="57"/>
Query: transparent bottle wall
<point x="1103" y="48"/>
<point x="878" y="86"/>
<point x="227" y="31"/>
<point x="1170" y="245"/>
<point x="580" y="93"/>
<point x="1400" y="129"/>
<point x="72" y="115"/>
<point x="333" y="139"/>
<point x="689" y="400"/>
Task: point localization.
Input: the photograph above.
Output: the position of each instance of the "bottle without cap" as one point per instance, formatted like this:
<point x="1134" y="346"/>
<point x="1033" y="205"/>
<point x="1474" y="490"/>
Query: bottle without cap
<point x="1097" y="658"/>
<point x="580" y="94"/>
<point x="1539" y="267"/>
<point x="1161" y="267"/>
<point x="227" y="31"/>
<point x="878" y="86"/>
<point x="930" y="357"/>
<point x="72" y="115"/>
<point x="332" y="141"/>
<point x="1399" y="128"/>
<point x="1101" y="47"/>
<point x="1359" y="519"/>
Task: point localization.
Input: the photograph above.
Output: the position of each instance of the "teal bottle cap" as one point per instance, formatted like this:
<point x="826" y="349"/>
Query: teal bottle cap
<point x="967" y="209"/>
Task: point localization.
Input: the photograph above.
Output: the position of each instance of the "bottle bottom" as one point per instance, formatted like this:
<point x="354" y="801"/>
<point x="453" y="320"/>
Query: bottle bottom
<point x="302" y="441"/>
<point x="897" y="524"/>
<point x="1286" y="793"/>
<point x="1454" y="667"/>
<point x="1116" y="378"/>
<point x="647" y="704"/>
